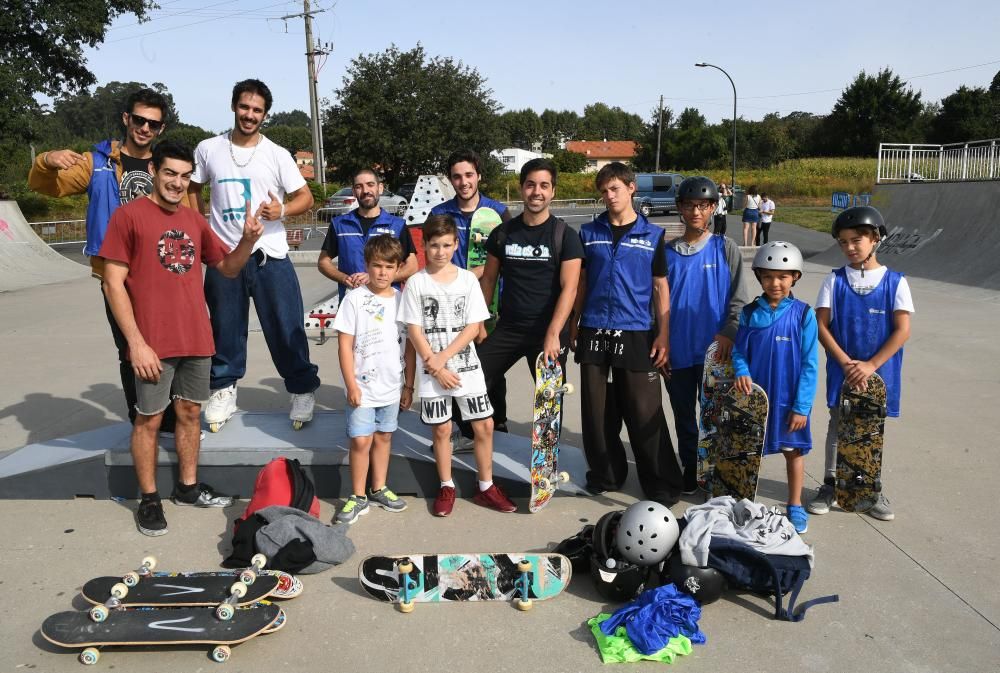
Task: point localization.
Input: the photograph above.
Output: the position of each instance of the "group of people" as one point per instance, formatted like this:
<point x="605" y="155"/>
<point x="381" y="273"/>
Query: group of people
<point x="635" y="308"/>
<point x="758" y="213"/>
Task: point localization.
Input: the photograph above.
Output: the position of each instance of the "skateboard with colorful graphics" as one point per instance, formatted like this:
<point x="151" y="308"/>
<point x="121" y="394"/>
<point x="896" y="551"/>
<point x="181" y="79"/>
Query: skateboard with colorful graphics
<point x="545" y="428"/>
<point x="447" y="578"/>
<point x="741" y="427"/>
<point x="484" y="221"/>
<point x="717" y="378"/>
<point x="860" y="429"/>
<point x="160" y="626"/>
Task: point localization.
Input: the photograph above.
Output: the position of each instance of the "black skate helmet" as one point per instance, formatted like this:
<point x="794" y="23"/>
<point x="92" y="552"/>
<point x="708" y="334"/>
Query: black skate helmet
<point x="578" y="548"/>
<point x="703" y="584"/>
<point x="646" y="533"/>
<point x="859" y="216"/>
<point x="697" y="187"/>
<point x="615" y="579"/>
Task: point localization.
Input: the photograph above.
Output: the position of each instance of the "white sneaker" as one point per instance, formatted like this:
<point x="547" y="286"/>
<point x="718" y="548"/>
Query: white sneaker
<point x="302" y="409"/>
<point x="220" y="408"/>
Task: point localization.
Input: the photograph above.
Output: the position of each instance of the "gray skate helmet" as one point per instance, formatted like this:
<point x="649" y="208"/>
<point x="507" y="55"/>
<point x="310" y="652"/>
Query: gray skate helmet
<point x="646" y="533"/>
<point x="778" y="256"/>
<point x="698" y="187"/>
<point x="859" y="216"/>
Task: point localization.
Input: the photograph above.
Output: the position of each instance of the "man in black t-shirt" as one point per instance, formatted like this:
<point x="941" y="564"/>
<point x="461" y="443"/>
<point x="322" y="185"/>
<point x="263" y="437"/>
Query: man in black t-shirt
<point x="540" y="278"/>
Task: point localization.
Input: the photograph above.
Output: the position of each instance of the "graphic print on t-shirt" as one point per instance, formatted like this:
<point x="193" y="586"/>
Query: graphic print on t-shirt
<point x="443" y="317"/>
<point x="133" y="185"/>
<point x="238" y="200"/>
<point x="176" y="251"/>
<point x="528" y="252"/>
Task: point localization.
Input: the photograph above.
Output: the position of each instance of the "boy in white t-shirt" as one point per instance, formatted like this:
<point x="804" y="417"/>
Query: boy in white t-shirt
<point x="444" y="308"/>
<point x="863" y="310"/>
<point x="374" y="355"/>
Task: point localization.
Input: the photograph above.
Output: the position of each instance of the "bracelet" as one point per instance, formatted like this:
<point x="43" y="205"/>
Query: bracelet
<point x="282" y="211"/>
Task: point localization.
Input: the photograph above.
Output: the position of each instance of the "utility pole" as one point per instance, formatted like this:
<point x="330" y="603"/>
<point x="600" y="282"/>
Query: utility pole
<point x="659" y="133"/>
<point x="312" y="51"/>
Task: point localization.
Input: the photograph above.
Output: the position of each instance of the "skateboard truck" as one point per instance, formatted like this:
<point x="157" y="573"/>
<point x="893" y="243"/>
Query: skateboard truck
<point x="406" y="585"/>
<point x="100" y="612"/>
<point x="550" y="393"/>
<point x="524" y="585"/>
<point x="145" y="569"/>
<point x="227" y="608"/>
<point x="257" y="564"/>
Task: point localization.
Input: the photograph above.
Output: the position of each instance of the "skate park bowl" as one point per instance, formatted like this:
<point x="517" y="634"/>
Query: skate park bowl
<point x="25" y="259"/>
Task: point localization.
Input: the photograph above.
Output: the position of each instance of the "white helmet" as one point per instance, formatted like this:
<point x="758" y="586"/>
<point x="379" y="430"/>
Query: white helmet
<point x="778" y="256"/>
<point x="646" y="533"/>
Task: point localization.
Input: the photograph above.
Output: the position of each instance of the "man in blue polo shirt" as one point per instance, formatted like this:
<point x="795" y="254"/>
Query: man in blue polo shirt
<point x="348" y="233"/>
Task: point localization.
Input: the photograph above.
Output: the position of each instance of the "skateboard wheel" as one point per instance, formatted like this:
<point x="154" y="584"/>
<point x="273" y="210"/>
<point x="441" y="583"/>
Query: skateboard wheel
<point x="258" y="560"/>
<point x="524" y="566"/>
<point x="569" y="389"/>
<point x="98" y="613"/>
<point x="221" y="654"/>
<point x="710" y="381"/>
<point x="238" y="589"/>
<point x="90" y="656"/>
<point x="297" y="425"/>
<point x="406" y="607"/>
<point x="225" y="612"/>
<point x="845" y="406"/>
<point x="524" y="605"/>
<point x="149" y="562"/>
<point x="405" y="567"/>
<point x="215" y="427"/>
<point x="564" y="477"/>
<point x="878" y="486"/>
<point x="131" y="579"/>
<point x="119" y="590"/>
<point x="543" y="484"/>
<point x="248" y="577"/>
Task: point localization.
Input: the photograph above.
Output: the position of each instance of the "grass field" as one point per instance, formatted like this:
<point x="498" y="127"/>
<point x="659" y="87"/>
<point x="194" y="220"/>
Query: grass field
<point x="818" y="218"/>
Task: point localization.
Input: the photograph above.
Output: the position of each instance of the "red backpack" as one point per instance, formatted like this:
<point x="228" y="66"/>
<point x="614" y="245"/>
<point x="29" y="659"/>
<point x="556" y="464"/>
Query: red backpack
<point x="282" y="482"/>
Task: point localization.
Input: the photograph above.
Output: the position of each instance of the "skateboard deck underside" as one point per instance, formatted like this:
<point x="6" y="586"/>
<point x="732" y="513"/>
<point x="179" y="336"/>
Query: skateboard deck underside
<point x="484" y="221"/>
<point x="740" y="443"/>
<point x="545" y="429"/>
<point x="441" y="578"/>
<point x="860" y="432"/>
<point x="717" y="378"/>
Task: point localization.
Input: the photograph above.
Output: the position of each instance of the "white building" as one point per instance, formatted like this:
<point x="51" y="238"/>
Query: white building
<point x="513" y="158"/>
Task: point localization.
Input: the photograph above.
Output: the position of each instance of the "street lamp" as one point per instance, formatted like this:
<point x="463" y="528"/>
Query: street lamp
<point x="732" y="185"/>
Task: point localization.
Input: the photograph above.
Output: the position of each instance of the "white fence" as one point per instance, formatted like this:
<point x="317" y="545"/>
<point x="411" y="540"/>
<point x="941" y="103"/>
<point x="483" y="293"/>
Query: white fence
<point x="900" y="162"/>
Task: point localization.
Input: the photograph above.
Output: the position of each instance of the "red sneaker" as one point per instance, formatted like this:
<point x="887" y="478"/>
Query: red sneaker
<point x="444" y="501"/>
<point x="494" y="498"/>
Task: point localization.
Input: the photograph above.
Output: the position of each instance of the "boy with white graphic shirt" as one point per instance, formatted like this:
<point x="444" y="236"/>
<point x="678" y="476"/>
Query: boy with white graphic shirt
<point x="374" y="354"/>
<point x="443" y="307"/>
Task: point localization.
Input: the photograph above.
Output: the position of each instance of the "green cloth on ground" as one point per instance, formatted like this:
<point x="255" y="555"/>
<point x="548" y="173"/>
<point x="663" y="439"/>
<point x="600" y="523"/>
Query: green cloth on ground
<point x="618" y="648"/>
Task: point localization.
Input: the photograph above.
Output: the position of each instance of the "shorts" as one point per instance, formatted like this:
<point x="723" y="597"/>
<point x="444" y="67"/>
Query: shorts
<point x="751" y="215"/>
<point x="185" y="378"/>
<point x="365" y="421"/>
<point x="437" y="410"/>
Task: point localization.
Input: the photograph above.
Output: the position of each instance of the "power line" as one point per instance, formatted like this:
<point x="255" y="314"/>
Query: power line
<point x="195" y="23"/>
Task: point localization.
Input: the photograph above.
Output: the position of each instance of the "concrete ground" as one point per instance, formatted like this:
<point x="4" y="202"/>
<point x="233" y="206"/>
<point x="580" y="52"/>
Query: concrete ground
<point x="916" y="594"/>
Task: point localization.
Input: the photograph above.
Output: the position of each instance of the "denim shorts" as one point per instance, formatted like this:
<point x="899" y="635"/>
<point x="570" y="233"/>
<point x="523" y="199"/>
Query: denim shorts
<point x="751" y="215"/>
<point x="365" y="421"/>
<point x="182" y="377"/>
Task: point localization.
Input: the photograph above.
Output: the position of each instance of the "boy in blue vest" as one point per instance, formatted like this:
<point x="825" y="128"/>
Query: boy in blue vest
<point x="621" y="342"/>
<point x="776" y="348"/>
<point x="707" y="293"/>
<point x="348" y="233"/>
<point x="863" y="311"/>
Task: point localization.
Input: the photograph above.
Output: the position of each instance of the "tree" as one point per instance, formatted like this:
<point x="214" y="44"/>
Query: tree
<point x="405" y="113"/>
<point x="601" y="122"/>
<point x="645" y="158"/>
<point x="41" y="51"/>
<point x="520" y="128"/>
<point x="188" y="134"/>
<point x="967" y="114"/>
<point x="558" y="127"/>
<point x="569" y="162"/>
<point x="296" y="118"/>
<point x="292" y="138"/>
<point x="872" y="109"/>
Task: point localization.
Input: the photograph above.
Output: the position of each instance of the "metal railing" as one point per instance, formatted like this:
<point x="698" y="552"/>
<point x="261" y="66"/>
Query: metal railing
<point x="61" y="232"/>
<point x="901" y="162"/>
<point x="565" y="208"/>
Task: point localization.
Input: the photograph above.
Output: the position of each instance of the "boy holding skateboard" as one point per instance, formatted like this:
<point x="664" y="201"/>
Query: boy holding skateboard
<point x="776" y="348"/>
<point x="374" y="358"/>
<point x="707" y="293"/>
<point x="863" y="311"/>
<point x="443" y="308"/>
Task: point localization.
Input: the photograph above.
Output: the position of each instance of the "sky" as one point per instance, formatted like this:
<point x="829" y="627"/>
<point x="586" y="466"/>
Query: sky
<point x="783" y="56"/>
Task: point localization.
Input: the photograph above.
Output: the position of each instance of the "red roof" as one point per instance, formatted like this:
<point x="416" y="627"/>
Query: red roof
<point x="604" y="149"/>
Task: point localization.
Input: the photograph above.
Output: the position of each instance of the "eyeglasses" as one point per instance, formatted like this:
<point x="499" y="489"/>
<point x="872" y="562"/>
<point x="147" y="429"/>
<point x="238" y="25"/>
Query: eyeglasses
<point x="139" y="121"/>
<point x="703" y="207"/>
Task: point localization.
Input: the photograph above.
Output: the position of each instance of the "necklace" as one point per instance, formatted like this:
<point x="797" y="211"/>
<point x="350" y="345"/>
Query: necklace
<point x="233" y="154"/>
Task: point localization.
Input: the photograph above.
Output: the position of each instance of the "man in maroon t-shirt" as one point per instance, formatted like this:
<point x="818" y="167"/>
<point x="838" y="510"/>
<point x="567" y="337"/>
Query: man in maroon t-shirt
<point x="153" y="251"/>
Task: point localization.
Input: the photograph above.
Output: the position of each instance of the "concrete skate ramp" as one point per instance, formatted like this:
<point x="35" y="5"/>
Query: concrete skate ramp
<point x="25" y="259"/>
<point x="947" y="231"/>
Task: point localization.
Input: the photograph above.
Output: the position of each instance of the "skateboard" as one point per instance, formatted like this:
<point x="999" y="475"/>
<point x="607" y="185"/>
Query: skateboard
<point x="717" y="378"/>
<point x="484" y="221"/>
<point x="859" y="446"/>
<point x="741" y="426"/>
<point x="545" y="428"/>
<point x="159" y="626"/>
<point x="443" y="578"/>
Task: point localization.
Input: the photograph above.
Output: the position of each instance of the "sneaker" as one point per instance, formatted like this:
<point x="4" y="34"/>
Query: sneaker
<point x="460" y="443"/>
<point x="149" y="518"/>
<point x="824" y="500"/>
<point x="500" y="427"/>
<point x="690" y="480"/>
<point x="881" y="510"/>
<point x="594" y="490"/>
<point x="387" y="500"/>
<point x="201" y="495"/>
<point x="494" y="498"/>
<point x="221" y="407"/>
<point x="445" y="501"/>
<point x="797" y="515"/>
<point x="352" y="509"/>
<point x="302" y="407"/>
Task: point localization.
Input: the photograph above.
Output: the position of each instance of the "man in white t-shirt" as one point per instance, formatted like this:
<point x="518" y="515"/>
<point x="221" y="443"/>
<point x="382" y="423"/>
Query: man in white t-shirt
<point x="766" y="216"/>
<point x="242" y="166"/>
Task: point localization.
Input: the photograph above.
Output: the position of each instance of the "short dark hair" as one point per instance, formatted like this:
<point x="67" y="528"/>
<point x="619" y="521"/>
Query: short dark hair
<point x="256" y="87"/>
<point x="358" y="172"/>
<point x="385" y="248"/>
<point x="439" y="225"/>
<point x="615" y="169"/>
<point x="149" y="98"/>
<point x="171" y="149"/>
<point x="540" y="164"/>
<point x="463" y="155"/>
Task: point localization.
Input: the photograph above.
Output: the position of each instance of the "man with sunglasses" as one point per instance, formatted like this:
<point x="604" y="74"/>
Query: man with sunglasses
<point x="707" y="293"/>
<point x="113" y="173"/>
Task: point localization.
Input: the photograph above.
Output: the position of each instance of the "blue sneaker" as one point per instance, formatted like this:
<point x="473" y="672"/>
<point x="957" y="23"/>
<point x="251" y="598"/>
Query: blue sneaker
<point x="799" y="518"/>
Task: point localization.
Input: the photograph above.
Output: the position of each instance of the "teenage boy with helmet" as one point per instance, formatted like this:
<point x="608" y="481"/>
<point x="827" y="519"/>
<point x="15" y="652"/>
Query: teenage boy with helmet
<point x="776" y="348"/>
<point x="707" y="293"/>
<point x="863" y="311"/>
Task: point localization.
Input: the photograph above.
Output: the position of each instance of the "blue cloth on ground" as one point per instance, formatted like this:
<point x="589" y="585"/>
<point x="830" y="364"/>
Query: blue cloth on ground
<point x="656" y="616"/>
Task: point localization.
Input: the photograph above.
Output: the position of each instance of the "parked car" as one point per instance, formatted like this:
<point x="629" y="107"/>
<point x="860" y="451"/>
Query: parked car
<point x="406" y="191"/>
<point x="656" y="192"/>
<point x="343" y="201"/>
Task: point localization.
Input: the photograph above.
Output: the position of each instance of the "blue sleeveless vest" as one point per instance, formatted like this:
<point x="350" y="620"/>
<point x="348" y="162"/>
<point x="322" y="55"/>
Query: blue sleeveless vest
<point x="351" y="240"/>
<point x="463" y="221"/>
<point x="699" y="297"/>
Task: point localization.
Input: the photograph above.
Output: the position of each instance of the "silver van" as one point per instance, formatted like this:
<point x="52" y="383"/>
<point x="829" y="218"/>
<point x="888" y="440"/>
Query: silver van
<point x="656" y="192"/>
